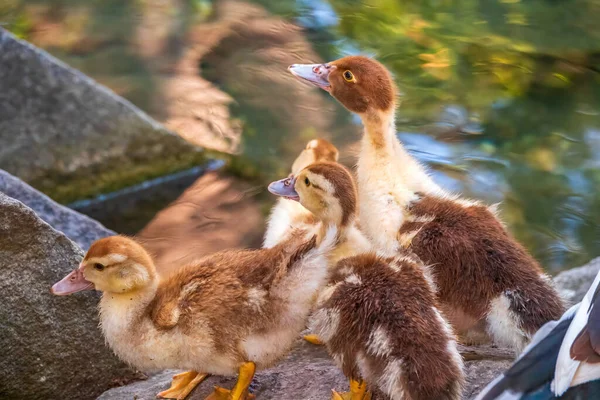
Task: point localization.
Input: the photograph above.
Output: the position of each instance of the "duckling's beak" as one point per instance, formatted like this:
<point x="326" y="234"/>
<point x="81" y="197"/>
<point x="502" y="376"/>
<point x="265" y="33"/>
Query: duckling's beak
<point x="72" y="283"/>
<point x="315" y="74"/>
<point x="285" y="188"/>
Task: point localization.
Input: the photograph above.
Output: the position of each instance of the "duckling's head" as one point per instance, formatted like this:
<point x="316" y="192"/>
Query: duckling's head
<point x="326" y="189"/>
<point x="115" y="264"/>
<point x="316" y="150"/>
<point x="360" y="83"/>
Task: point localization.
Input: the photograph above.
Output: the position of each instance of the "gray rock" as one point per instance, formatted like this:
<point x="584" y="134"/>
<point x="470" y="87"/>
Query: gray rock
<point x="72" y="138"/>
<point x="481" y="372"/>
<point x="51" y="346"/>
<point x="79" y="228"/>
<point x="306" y="374"/>
<point x="574" y="283"/>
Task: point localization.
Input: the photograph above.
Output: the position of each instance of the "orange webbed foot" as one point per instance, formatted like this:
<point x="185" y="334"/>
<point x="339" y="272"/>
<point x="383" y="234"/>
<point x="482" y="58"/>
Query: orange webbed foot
<point x="182" y="385"/>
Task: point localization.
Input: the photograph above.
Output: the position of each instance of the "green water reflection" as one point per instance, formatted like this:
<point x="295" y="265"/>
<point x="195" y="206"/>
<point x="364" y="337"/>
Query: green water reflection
<point x="501" y="98"/>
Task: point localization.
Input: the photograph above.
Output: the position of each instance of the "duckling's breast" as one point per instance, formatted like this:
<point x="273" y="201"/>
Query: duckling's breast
<point x="136" y="340"/>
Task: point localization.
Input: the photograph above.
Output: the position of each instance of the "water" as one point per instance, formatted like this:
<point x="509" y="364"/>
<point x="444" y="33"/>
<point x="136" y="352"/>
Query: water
<point x="500" y="98"/>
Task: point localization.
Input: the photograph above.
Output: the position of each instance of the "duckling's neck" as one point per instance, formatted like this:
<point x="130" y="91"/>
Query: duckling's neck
<point x="124" y="317"/>
<point x="120" y="311"/>
<point x="342" y="229"/>
<point x="381" y="146"/>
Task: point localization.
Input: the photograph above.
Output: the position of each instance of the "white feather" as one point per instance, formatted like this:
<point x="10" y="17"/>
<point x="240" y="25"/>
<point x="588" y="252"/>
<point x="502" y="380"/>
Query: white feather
<point x="566" y="367"/>
<point x="546" y="329"/>
<point x="543" y="332"/>
<point x="285" y="216"/>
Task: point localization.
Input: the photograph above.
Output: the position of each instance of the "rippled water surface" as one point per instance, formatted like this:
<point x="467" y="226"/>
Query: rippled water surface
<point x="500" y="98"/>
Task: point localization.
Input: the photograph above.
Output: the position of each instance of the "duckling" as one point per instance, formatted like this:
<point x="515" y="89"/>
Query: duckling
<point x="377" y="316"/>
<point x="487" y="282"/>
<point x="562" y="360"/>
<point x="235" y="310"/>
<point x="326" y="208"/>
<point x="287" y="213"/>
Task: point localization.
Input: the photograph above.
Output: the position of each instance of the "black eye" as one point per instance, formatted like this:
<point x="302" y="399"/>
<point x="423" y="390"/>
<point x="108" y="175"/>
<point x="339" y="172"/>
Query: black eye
<point x="348" y="76"/>
<point x="99" y="267"/>
<point x="307" y="181"/>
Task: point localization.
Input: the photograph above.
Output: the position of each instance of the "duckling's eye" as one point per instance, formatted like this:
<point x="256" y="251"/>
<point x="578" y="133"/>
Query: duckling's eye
<point x="99" y="267"/>
<point x="306" y="181"/>
<point x="349" y="76"/>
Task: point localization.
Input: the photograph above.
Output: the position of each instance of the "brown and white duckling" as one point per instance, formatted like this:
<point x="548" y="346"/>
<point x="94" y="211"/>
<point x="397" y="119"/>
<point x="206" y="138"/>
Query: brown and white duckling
<point x="377" y="316"/>
<point x="288" y="214"/>
<point x="485" y="279"/>
<point x="326" y="204"/>
<point x="331" y="200"/>
<point x="231" y="311"/>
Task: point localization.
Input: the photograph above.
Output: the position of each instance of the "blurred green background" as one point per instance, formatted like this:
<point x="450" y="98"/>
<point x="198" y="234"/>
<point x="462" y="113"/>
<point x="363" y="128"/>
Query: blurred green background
<point x="501" y="98"/>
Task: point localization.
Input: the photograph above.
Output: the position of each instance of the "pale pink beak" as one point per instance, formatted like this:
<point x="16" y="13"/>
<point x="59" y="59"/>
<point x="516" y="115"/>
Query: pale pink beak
<point x="315" y="74"/>
<point x="285" y="188"/>
<point x="72" y="283"/>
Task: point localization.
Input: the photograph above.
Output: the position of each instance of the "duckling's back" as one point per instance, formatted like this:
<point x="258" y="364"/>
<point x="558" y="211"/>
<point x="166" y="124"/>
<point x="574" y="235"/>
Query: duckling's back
<point x="379" y="320"/>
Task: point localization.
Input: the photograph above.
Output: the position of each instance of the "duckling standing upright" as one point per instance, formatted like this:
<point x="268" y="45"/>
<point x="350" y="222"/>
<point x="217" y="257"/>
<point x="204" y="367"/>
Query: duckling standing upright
<point x="377" y="316"/>
<point x="485" y="279"/>
<point x="234" y="310"/>
<point x="288" y="214"/>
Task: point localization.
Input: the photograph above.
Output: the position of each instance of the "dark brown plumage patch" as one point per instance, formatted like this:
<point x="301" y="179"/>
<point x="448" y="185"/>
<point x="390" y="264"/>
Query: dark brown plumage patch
<point x="342" y="181"/>
<point x="474" y="260"/>
<point x="402" y="306"/>
<point x="586" y="346"/>
<point x="583" y="350"/>
<point x="374" y="88"/>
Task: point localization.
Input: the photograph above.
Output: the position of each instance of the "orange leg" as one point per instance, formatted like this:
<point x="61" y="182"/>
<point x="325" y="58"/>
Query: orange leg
<point x="240" y="390"/>
<point x="358" y="391"/>
<point x="182" y="385"/>
<point x="314" y="339"/>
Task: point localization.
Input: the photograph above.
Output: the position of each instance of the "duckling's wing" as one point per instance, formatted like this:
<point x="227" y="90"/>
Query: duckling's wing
<point x="181" y="288"/>
<point x="202" y="285"/>
<point x="535" y="366"/>
<point x="264" y="268"/>
<point x="581" y="345"/>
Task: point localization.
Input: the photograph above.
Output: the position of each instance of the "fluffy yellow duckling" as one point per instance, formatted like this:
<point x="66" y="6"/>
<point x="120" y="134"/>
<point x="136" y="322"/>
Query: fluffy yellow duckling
<point x="328" y="206"/>
<point x="287" y="214"/>
<point x="230" y="312"/>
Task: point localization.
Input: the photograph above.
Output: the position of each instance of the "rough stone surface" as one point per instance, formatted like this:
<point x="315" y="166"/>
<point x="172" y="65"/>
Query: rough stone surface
<point x="58" y="126"/>
<point x="306" y="374"/>
<point x="574" y="283"/>
<point x="51" y="346"/>
<point x="480" y="373"/>
<point x="79" y="228"/>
